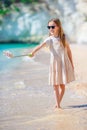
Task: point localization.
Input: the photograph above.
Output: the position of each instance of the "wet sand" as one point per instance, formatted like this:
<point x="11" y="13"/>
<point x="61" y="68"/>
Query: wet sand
<point x="27" y="101"/>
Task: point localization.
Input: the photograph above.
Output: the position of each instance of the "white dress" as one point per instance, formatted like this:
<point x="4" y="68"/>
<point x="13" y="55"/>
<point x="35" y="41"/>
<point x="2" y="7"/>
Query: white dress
<point x="61" y="70"/>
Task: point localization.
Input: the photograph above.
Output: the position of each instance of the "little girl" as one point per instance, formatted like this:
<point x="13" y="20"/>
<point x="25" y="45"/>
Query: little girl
<point x="61" y="63"/>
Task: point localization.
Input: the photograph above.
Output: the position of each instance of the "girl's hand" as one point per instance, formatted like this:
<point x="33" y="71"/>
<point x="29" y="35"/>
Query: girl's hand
<point x="31" y="55"/>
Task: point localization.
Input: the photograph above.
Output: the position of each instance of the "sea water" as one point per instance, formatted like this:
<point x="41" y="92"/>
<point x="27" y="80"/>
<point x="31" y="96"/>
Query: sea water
<point x="7" y="64"/>
<point x="24" y="94"/>
<point x="26" y="101"/>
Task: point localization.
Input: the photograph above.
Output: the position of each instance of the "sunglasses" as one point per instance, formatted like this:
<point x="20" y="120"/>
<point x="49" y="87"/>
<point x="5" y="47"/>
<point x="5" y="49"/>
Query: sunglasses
<point x="50" y="27"/>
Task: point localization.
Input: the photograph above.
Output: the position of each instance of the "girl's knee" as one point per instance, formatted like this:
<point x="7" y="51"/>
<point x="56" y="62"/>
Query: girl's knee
<point x="55" y="87"/>
<point x="62" y="86"/>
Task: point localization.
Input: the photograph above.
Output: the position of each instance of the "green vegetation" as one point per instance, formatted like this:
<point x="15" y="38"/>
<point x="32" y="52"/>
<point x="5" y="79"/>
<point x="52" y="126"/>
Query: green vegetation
<point x="6" y="6"/>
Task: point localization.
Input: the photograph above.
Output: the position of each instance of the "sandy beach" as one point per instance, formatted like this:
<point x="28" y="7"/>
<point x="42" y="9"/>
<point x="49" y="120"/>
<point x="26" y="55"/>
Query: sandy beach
<point x="27" y="101"/>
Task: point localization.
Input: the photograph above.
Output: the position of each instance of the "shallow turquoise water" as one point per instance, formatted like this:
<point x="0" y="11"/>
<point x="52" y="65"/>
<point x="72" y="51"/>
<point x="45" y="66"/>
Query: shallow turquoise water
<point x="17" y="49"/>
<point x="6" y="46"/>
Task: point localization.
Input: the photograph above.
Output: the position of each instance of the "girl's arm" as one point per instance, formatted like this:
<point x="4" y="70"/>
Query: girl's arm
<point x="69" y="54"/>
<point x="38" y="48"/>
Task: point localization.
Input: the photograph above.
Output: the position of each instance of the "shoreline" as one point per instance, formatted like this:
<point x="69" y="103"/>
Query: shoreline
<point x="27" y="102"/>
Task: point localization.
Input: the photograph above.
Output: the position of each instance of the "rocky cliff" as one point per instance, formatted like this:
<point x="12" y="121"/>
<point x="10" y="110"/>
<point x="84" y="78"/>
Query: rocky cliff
<point x="30" y="22"/>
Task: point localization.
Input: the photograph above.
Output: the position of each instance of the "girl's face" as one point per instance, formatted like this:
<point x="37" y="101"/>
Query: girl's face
<point x="53" y="28"/>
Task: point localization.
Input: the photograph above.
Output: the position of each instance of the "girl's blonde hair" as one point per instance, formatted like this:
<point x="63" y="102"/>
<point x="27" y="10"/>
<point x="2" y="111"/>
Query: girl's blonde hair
<point x="61" y="32"/>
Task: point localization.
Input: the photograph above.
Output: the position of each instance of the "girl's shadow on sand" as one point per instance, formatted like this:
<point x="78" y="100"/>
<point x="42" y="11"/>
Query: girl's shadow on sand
<point x="79" y="106"/>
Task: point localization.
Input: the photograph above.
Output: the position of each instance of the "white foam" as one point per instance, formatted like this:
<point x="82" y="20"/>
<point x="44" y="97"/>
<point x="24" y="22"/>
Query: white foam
<point x="27" y="58"/>
<point x="19" y="85"/>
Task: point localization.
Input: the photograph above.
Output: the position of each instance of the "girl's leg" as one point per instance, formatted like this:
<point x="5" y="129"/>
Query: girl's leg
<point x="56" y="90"/>
<point x="62" y="91"/>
